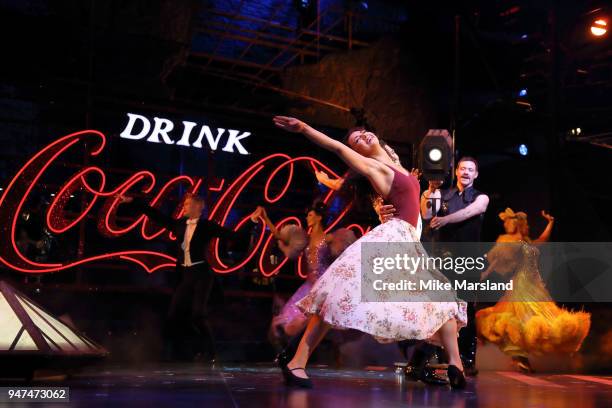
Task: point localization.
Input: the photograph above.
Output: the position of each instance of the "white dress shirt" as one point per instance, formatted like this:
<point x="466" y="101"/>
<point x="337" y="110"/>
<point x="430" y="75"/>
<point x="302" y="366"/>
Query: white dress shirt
<point x="430" y="203"/>
<point x="191" y="226"/>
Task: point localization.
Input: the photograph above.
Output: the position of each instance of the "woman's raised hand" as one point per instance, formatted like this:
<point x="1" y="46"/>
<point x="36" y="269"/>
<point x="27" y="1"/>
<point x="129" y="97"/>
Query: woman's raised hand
<point x="289" y="124"/>
<point x="548" y="217"/>
<point x="256" y="214"/>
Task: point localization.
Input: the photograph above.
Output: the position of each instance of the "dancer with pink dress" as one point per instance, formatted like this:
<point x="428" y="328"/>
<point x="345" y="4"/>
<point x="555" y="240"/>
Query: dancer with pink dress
<point x="335" y="299"/>
<point x="318" y="248"/>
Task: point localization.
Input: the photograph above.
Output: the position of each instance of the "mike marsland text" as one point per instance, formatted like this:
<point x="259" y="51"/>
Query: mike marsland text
<point x="437" y="285"/>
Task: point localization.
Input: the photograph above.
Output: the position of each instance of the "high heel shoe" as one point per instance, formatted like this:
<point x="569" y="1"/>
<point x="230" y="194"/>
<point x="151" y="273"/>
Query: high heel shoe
<point x="522" y="364"/>
<point x="456" y="378"/>
<point x="290" y="378"/>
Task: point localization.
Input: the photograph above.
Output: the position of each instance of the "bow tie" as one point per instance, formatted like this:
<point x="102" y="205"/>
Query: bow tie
<point x="192" y="221"/>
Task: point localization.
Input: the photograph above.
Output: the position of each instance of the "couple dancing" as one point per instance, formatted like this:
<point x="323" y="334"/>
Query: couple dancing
<point x="334" y="301"/>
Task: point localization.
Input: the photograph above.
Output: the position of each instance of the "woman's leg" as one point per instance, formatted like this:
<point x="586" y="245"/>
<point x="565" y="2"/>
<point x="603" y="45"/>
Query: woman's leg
<point x="315" y="331"/>
<point x="295" y="326"/>
<point x="448" y="338"/>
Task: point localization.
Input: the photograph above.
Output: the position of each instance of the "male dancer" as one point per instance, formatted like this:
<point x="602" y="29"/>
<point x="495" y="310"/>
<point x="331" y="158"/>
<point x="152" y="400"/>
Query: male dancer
<point x="460" y="220"/>
<point x="462" y="213"/>
<point x="189" y="305"/>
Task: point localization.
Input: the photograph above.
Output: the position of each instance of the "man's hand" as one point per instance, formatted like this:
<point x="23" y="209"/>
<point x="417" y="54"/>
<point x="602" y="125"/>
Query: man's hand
<point x="416" y="173"/>
<point x="438" y="222"/>
<point x="434" y="185"/>
<point x="386" y="212"/>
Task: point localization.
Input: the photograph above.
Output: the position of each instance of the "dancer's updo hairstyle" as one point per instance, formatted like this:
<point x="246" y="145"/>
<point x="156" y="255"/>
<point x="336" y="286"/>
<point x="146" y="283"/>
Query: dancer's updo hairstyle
<point x="319" y="208"/>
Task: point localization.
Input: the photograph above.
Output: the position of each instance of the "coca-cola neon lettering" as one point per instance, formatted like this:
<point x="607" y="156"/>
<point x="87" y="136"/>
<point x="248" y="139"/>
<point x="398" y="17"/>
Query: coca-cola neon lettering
<point x="18" y="190"/>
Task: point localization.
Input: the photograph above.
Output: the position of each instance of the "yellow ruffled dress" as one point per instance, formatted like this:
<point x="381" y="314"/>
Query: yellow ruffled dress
<point x="526" y="319"/>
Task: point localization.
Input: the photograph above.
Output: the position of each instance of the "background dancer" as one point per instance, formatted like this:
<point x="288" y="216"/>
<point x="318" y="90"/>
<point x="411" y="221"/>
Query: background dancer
<point x="526" y="319"/>
<point x="188" y="310"/>
<point x="319" y="249"/>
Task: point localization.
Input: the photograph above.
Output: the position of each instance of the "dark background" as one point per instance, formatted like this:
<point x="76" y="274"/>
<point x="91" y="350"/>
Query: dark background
<point x="75" y="65"/>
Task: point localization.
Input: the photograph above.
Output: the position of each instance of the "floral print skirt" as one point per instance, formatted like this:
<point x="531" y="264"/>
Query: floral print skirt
<point x="336" y="296"/>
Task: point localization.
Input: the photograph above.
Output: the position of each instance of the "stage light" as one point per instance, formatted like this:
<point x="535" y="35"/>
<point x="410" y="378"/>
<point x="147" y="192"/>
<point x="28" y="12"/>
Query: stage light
<point x="575" y="131"/>
<point x="524" y="37"/>
<point x="599" y="27"/>
<point x="305" y="4"/>
<point x="364" y="4"/>
<point x="523" y="151"/>
<point x="436" y="154"/>
<point x="523" y="92"/>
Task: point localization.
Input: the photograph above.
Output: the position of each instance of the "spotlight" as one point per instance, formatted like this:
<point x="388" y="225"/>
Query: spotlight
<point x="523" y="92"/>
<point x="523" y="151"/>
<point x="436" y="154"/>
<point x="599" y="27"/>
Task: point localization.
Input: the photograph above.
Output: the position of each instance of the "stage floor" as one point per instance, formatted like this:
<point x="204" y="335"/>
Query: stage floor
<point x="173" y="385"/>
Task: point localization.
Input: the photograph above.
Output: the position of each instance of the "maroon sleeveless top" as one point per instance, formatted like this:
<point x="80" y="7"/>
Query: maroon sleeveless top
<point x="404" y="196"/>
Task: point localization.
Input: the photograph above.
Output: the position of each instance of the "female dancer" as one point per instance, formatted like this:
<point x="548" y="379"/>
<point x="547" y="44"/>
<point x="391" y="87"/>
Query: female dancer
<point x="319" y="250"/>
<point x="334" y="300"/>
<point x="526" y="319"/>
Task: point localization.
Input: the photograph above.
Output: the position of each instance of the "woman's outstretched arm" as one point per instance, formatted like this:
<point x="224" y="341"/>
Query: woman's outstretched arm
<point x="261" y="212"/>
<point x="545" y="235"/>
<point x="361" y="164"/>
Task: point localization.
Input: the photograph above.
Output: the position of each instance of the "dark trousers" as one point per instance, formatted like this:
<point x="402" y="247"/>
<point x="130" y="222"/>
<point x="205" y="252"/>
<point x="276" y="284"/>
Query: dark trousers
<point x="467" y="344"/>
<point x="467" y="336"/>
<point x="188" y="329"/>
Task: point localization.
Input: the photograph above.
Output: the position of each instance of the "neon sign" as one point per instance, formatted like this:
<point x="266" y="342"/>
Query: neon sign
<point x="139" y="127"/>
<point x="91" y="181"/>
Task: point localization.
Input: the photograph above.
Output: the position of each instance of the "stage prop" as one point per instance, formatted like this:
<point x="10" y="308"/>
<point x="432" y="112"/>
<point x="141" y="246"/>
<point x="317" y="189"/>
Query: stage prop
<point x="32" y="339"/>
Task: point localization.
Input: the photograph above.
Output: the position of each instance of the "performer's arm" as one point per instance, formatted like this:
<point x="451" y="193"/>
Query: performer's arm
<point x="424" y="204"/>
<point x="479" y="206"/>
<point x="361" y="164"/>
<point x="215" y="230"/>
<point x="264" y="215"/>
<point x="545" y="235"/>
<point x="334" y="184"/>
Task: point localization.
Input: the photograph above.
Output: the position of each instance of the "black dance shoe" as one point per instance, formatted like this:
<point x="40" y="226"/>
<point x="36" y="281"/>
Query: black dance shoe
<point x="456" y="378"/>
<point x="523" y="365"/>
<point x="291" y="379"/>
<point x="429" y="376"/>
<point x="425" y="374"/>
